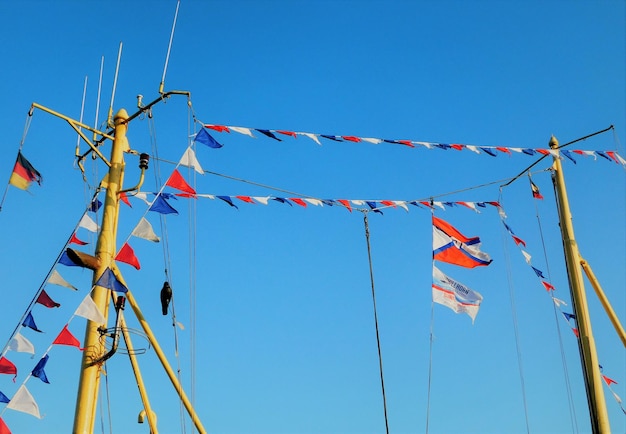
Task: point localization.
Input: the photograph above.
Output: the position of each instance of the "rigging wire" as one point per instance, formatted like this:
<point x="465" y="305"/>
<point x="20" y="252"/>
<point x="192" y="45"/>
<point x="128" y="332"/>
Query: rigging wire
<point x="29" y="119"/>
<point x="193" y="215"/>
<point x="430" y="359"/>
<point x="380" y="356"/>
<point x="518" y="346"/>
<point x="568" y="385"/>
<point x="167" y="269"/>
<point x="611" y="127"/>
<point x="108" y="401"/>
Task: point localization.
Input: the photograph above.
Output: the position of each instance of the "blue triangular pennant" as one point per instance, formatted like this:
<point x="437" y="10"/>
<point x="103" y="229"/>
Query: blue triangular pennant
<point x="204" y="137"/>
<point x="268" y="133"/>
<point x="39" y="372"/>
<point x="228" y="200"/>
<point x="109" y="281"/>
<point x="65" y="260"/>
<point x="161" y="206"/>
<point x="373" y="206"/>
<point x="29" y="322"/>
<point x="538" y="272"/>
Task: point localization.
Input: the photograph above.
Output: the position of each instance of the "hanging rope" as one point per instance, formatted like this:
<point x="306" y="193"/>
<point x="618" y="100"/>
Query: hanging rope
<point x="26" y="126"/>
<point x="518" y="346"/>
<point x="380" y="356"/>
<point x="430" y="361"/>
<point x="167" y="269"/>
<point x="557" y="321"/>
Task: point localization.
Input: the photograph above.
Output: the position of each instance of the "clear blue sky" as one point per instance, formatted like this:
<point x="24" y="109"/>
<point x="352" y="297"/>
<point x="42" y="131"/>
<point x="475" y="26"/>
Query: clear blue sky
<point x="276" y="300"/>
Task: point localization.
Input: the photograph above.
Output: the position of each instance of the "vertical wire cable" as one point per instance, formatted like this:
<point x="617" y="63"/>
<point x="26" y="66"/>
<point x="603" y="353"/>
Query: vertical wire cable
<point x="380" y="356"/>
<point x="430" y="361"/>
<point x="167" y="271"/>
<point x="29" y="119"/>
<point x="568" y="386"/>
<point x="192" y="276"/>
<point x="518" y="346"/>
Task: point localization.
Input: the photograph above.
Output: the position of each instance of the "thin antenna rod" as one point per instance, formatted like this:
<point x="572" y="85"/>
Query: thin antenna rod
<point x="117" y="69"/>
<point x="82" y="111"/>
<point x="95" y="125"/>
<point x="169" y="47"/>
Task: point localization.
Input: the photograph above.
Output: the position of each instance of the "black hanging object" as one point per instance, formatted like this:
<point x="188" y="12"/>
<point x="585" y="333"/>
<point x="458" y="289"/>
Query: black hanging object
<point x="166" y="297"/>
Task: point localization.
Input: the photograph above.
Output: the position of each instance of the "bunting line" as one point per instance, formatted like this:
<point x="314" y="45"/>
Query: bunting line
<point x="492" y="151"/>
<point x="568" y="317"/>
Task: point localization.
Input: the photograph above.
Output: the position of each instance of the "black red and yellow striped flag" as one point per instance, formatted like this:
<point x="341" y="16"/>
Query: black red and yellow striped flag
<point x="24" y="173"/>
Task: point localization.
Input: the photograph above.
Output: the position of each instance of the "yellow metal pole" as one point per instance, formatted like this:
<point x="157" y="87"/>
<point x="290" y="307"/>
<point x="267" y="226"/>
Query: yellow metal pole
<point x="87" y="396"/>
<point x="604" y="300"/>
<point x="168" y="369"/>
<point x="586" y="343"/>
<point x="140" y="384"/>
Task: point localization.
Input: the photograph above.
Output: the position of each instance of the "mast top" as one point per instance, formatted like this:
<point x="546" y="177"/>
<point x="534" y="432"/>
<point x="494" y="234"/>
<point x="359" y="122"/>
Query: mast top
<point x="554" y="143"/>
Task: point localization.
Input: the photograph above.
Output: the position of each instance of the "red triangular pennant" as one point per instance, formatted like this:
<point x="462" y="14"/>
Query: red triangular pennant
<point x="4" y="429"/>
<point x="608" y="380"/>
<point x="178" y="182"/>
<point x="345" y="203"/>
<point x="75" y="240"/>
<point x="518" y="240"/>
<point x="127" y="255"/>
<point x="45" y="299"/>
<point x="6" y="367"/>
<point x="298" y="201"/>
<point x="124" y="198"/>
<point x="67" y="338"/>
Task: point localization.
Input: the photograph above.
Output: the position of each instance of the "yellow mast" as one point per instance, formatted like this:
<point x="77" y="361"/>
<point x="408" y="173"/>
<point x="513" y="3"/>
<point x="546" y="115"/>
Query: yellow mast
<point x="586" y="343"/>
<point x="87" y="396"/>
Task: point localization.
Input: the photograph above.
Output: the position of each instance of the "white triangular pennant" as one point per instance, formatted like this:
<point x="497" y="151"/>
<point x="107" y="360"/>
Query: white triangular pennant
<point x="189" y="160"/>
<point x="242" y="130"/>
<point x="56" y="279"/>
<point x="142" y="196"/>
<point x="87" y="223"/>
<point x="20" y="344"/>
<point x="263" y="200"/>
<point x="89" y="310"/>
<point x="144" y="230"/>
<point x="315" y="202"/>
<point x="371" y="140"/>
<point x="23" y="401"/>
<point x="312" y="137"/>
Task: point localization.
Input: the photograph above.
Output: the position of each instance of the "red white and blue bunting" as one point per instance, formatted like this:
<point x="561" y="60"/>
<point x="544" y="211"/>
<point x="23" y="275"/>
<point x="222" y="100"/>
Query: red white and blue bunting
<point x="204" y="137"/>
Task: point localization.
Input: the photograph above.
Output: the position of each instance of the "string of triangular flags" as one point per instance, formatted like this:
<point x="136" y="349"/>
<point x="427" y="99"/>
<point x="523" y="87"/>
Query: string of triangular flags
<point x="203" y="136"/>
<point x="23" y="400"/>
<point x="549" y="287"/>
<point x="160" y="203"/>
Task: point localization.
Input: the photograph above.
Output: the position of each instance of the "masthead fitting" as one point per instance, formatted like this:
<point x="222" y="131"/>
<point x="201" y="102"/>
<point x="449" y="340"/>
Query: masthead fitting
<point x="554" y="143"/>
<point x="120" y="116"/>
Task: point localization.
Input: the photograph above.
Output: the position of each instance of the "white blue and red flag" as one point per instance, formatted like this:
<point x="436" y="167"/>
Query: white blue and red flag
<point x="451" y="246"/>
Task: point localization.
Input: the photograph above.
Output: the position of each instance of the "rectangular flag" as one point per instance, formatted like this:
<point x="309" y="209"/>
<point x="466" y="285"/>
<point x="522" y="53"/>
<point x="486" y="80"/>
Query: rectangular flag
<point x="24" y="173"/>
<point x="455" y="295"/>
<point x="451" y="246"/>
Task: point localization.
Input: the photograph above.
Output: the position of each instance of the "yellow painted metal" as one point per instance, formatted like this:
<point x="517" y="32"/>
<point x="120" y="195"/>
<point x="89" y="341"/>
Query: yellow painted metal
<point x="140" y="384"/>
<point x="604" y="300"/>
<point x="168" y="369"/>
<point x="591" y="368"/>
<point x="77" y="126"/>
<point x="87" y="396"/>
